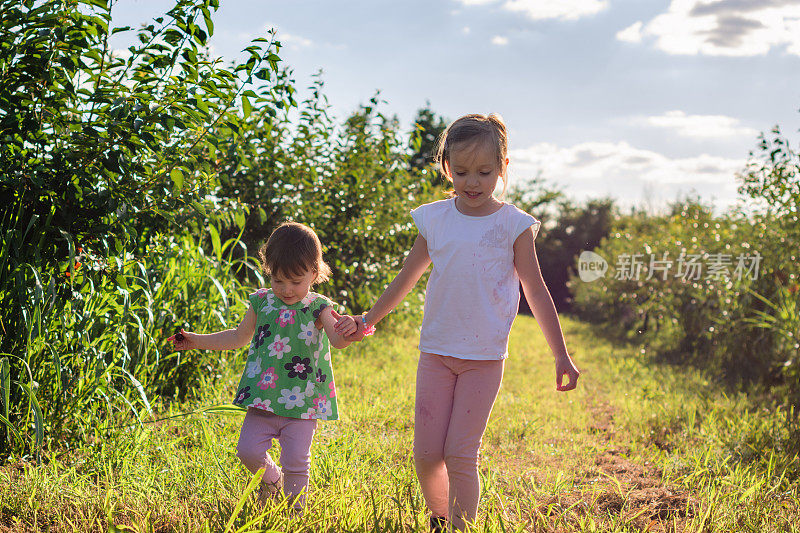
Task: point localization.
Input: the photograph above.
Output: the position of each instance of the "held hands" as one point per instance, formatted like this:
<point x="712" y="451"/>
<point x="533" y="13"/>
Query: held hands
<point x="354" y="333"/>
<point x="345" y="325"/>
<point x="565" y="367"/>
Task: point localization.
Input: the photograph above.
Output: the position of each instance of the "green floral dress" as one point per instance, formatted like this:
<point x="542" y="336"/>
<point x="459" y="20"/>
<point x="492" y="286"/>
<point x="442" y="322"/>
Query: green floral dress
<point x="288" y="369"/>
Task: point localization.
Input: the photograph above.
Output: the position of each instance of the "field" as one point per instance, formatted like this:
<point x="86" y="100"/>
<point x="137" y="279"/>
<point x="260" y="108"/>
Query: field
<point x="637" y="447"/>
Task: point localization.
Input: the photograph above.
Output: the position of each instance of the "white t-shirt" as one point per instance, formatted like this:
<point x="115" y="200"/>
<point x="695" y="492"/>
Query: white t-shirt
<point x="473" y="291"/>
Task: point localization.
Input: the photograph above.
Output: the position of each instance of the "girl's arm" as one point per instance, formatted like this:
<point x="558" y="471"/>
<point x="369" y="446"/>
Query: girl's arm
<point x="328" y="319"/>
<point x="414" y="266"/>
<point x="544" y="310"/>
<point x="228" y="339"/>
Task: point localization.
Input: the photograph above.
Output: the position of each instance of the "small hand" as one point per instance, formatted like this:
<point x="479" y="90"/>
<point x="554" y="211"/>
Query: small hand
<point x="346" y="325"/>
<point x="183" y="340"/>
<point x="565" y="367"/>
<point x="358" y="334"/>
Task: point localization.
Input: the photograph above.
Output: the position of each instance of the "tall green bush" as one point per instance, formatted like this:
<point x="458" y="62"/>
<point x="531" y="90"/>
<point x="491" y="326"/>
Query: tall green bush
<point x="742" y="325"/>
<point x="99" y="152"/>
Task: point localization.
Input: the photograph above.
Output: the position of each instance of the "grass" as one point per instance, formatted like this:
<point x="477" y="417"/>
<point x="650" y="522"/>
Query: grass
<point x="637" y="447"/>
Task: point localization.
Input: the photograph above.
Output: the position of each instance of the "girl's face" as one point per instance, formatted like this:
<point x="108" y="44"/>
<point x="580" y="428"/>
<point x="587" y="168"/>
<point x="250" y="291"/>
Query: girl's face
<point x="474" y="171"/>
<point x="292" y="288"/>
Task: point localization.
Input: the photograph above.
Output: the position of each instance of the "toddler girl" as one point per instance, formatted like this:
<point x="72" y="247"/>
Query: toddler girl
<point x="481" y="248"/>
<point x="287" y="384"/>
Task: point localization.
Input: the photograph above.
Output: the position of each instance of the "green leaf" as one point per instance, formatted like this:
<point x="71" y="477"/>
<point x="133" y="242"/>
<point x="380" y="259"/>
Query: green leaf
<point x="209" y="22"/>
<point x="246" y="107"/>
<point x="215" y="242"/>
<point x="177" y="179"/>
<point x="38" y="419"/>
<point x="197" y="206"/>
<point x="5" y="384"/>
<point x="6" y="422"/>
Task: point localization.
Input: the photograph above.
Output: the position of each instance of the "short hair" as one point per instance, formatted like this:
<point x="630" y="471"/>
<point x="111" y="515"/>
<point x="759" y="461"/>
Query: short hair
<point x="292" y="250"/>
<point x="474" y="128"/>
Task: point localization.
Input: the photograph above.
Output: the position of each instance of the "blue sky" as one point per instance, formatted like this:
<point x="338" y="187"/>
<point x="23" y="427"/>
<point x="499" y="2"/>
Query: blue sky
<point x="639" y="100"/>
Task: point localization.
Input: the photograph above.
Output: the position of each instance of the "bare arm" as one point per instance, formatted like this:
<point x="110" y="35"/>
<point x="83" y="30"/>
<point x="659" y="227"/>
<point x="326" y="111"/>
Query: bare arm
<point x="413" y="267"/>
<point x="328" y="320"/>
<point x="541" y="303"/>
<point x="228" y="339"/>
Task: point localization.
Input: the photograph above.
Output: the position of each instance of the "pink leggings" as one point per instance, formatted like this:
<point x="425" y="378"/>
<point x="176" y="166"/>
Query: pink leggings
<point x="294" y="435"/>
<point x="453" y="404"/>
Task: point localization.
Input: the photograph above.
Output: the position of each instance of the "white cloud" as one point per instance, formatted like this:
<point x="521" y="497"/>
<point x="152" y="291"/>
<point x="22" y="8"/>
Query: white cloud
<point x="499" y="40"/>
<point x="556" y="9"/>
<point x="631" y="34"/>
<point x="623" y="171"/>
<point x="698" y="126"/>
<point x="465" y="30"/>
<point x="547" y="9"/>
<point x="723" y="27"/>
<point x="294" y="41"/>
<point x="289" y="40"/>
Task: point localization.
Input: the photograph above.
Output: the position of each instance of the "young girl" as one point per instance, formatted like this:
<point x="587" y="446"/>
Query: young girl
<point x="481" y="248"/>
<point x="287" y="384"/>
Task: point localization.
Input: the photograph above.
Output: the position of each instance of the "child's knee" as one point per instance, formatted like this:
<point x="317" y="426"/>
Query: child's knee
<point x="427" y="458"/>
<point x="461" y="464"/>
<point x="250" y="457"/>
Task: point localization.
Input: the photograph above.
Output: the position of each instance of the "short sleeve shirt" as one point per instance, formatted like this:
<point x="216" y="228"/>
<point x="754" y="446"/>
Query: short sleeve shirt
<point x="288" y="370"/>
<point x="472" y="296"/>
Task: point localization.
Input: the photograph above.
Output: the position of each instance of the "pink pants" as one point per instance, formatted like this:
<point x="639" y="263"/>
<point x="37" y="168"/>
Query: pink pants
<point x="453" y="403"/>
<point x="294" y="435"/>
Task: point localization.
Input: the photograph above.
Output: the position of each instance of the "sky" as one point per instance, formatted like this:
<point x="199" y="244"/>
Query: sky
<point x="642" y="101"/>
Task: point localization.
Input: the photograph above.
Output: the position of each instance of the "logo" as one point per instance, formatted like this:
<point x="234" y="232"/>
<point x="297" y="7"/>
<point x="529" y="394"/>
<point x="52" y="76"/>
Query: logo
<point x="591" y="266"/>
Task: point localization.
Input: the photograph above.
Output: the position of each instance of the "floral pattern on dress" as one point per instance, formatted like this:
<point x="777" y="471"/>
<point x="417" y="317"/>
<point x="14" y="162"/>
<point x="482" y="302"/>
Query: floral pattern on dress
<point x="242" y="395"/>
<point x="258" y="403"/>
<point x="279" y="347"/>
<point x="332" y="386"/>
<point x="253" y="368"/>
<point x="318" y="312"/>
<point x="262" y="334"/>
<point x="322" y="405"/>
<point x="308" y="333"/>
<point x="292" y="398"/>
<point x="299" y="367"/>
<point x="268" y="379"/>
<point x="285" y="317"/>
<point x="320" y="376"/>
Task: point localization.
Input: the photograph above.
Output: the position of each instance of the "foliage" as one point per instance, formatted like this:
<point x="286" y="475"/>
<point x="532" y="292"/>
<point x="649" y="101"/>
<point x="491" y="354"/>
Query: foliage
<point x="744" y="326"/>
<point x="710" y="318"/>
<point x="103" y="353"/>
<point x="427" y="128"/>
<point x="352" y="183"/>
<point x="100" y="152"/>
<point x="567" y="229"/>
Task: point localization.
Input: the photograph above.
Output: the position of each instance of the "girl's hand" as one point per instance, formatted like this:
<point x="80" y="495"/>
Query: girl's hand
<point x="346" y="325"/>
<point x="358" y="334"/>
<point x="565" y="367"/>
<point x="184" y="340"/>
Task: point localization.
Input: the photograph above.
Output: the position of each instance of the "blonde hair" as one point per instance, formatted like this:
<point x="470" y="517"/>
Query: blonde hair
<point x="294" y="249"/>
<point x="489" y="130"/>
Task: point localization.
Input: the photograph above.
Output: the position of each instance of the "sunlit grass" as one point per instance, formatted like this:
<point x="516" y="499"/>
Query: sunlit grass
<point x="636" y="447"/>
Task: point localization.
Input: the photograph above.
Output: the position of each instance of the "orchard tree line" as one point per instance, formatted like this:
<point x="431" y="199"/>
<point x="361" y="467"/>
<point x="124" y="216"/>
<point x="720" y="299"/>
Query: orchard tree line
<point x="136" y="186"/>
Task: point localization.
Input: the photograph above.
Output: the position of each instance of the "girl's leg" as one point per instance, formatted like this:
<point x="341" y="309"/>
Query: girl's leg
<point x="434" y="399"/>
<point x="255" y="438"/>
<point x="475" y="392"/>
<point x="295" y="439"/>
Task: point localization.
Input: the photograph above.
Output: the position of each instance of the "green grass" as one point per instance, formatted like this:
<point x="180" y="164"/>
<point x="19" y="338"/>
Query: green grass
<point x="637" y="447"/>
